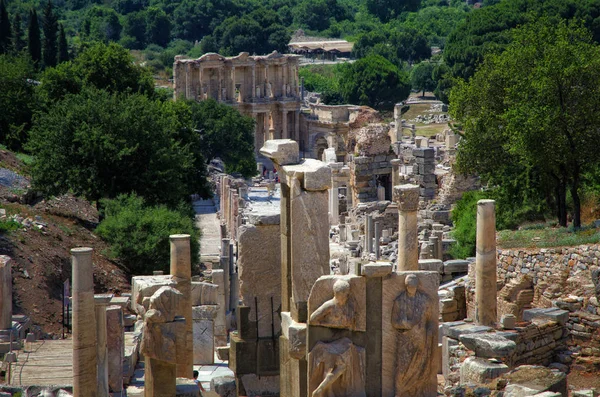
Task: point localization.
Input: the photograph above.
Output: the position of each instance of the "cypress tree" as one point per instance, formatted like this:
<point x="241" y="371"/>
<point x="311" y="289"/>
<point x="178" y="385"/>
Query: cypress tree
<point x="18" y="42"/>
<point x="5" y="31"/>
<point x="34" y="43"/>
<point x="63" y="49"/>
<point x="50" y="27"/>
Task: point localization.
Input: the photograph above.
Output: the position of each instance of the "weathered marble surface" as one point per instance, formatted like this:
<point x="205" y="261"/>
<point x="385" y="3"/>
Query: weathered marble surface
<point x="327" y="308"/>
<point x="336" y="369"/>
<point x="410" y="354"/>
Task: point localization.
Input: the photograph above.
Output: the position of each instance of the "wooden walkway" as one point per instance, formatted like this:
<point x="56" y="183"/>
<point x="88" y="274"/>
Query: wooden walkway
<point x="49" y="363"/>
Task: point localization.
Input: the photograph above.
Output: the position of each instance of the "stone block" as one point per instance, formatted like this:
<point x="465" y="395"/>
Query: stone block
<point x="313" y="175"/>
<point x="204" y="293"/>
<point x="204" y="343"/>
<point x="479" y="370"/>
<point x="434" y="265"/>
<point x="424" y="152"/>
<point x="186" y="388"/>
<point x="488" y="345"/>
<point x="379" y="269"/>
<point x="508" y="321"/>
<point x="537" y="378"/>
<point x="456" y="266"/>
<point x="223" y="353"/>
<point x="223" y="386"/>
<point x="281" y="151"/>
<point x="551" y="314"/>
<point x="295" y="333"/>
<point x="145" y="286"/>
<point x="455" y="331"/>
<point x="260" y="386"/>
<point x="242" y="355"/>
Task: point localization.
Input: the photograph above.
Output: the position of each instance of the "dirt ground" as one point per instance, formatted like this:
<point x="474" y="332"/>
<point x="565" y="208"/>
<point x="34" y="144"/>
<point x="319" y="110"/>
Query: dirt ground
<point x="41" y="253"/>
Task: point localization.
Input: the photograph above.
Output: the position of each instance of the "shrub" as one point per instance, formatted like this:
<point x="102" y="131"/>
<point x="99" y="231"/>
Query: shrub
<point x="138" y="234"/>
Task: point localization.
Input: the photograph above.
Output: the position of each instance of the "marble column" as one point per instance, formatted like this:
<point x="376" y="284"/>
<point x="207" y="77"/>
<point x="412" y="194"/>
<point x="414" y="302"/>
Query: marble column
<point x="434" y="241"/>
<point x="485" y="264"/>
<point x="377" y="238"/>
<point x="5" y="298"/>
<point x="181" y="268"/>
<point x="396" y="172"/>
<point x="369" y="234"/>
<point x="335" y="205"/>
<point x="407" y="198"/>
<point x="102" y="302"/>
<point x="115" y="337"/>
<point x="84" y="324"/>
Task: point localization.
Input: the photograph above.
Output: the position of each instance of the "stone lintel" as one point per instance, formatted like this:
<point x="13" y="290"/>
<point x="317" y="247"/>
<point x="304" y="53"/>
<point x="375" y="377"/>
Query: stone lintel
<point x="102" y="299"/>
<point x="314" y="175"/>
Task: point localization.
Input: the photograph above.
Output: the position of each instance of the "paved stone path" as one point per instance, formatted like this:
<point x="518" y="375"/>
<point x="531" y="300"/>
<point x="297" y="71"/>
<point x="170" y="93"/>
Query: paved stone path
<point x="207" y="221"/>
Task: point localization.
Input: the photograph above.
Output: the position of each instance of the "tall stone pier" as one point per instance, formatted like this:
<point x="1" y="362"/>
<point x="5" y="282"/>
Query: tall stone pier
<point x="102" y="302"/>
<point x="5" y="298"/>
<point x="304" y="253"/>
<point x="485" y="264"/>
<point x="181" y="268"/>
<point x="407" y="198"/>
<point x="84" y="324"/>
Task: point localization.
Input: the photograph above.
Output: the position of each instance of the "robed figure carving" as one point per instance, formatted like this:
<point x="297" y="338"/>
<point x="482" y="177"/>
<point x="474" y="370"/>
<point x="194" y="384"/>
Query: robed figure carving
<point x="412" y="318"/>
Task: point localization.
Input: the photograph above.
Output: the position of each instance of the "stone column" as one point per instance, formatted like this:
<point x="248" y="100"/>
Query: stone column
<point x="407" y="198"/>
<point x="434" y="242"/>
<point x="181" y="268"/>
<point x="284" y="124"/>
<point x="297" y="126"/>
<point x="102" y="302"/>
<point x="438" y="231"/>
<point x="377" y="238"/>
<point x="84" y="324"/>
<point x="5" y="298"/>
<point x="335" y="206"/>
<point x="115" y="337"/>
<point x="224" y="264"/>
<point x="369" y="234"/>
<point x="343" y="236"/>
<point x="485" y="264"/>
<point x="396" y="172"/>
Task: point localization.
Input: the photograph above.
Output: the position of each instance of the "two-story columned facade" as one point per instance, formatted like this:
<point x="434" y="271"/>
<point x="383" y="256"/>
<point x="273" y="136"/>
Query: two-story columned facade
<point x="264" y="87"/>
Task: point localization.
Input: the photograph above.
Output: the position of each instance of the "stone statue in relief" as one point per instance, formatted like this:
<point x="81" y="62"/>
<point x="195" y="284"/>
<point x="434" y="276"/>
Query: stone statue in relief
<point x="413" y="320"/>
<point x="337" y="369"/>
<point x="337" y="312"/>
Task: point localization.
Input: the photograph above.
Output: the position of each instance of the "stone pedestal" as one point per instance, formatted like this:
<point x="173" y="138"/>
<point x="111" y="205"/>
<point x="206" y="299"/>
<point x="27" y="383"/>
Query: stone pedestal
<point x="407" y="198"/>
<point x="204" y="334"/>
<point x="102" y="302"/>
<point x="181" y="268"/>
<point x="84" y="324"/>
<point x="485" y="264"/>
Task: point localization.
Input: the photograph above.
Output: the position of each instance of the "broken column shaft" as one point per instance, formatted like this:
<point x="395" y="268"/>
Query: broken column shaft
<point x="84" y="324"/>
<point x="485" y="264"/>
<point x="5" y="298"/>
<point x="181" y="267"/>
<point x="407" y="198"/>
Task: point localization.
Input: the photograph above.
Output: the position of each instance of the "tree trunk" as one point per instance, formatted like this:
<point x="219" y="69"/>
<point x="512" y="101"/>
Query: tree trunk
<point x="561" y="202"/>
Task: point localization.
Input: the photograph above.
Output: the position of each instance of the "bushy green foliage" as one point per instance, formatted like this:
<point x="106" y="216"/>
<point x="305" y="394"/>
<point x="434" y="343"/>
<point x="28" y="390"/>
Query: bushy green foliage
<point x="421" y="77"/>
<point x="101" y="24"/>
<point x="99" y="145"/>
<point x="533" y="109"/>
<point x="395" y="45"/>
<point x="325" y="80"/>
<point x="374" y="81"/>
<point x="138" y="233"/>
<point x="17" y="100"/>
<point x="464" y="217"/>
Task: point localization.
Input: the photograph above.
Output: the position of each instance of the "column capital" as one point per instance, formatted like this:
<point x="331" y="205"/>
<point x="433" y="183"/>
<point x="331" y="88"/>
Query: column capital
<point x="407" y="197"/>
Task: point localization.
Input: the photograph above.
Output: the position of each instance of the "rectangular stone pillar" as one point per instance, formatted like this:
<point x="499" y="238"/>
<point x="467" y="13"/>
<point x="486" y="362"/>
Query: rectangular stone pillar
<point x="377" y="238"/>
<point x="204" y="332"/>
<point x="181" y="268"/>
<point x="407" y="198"/>
<point x="369" y="234"/>
<point x="220" y="329"/>
<point x="115" y="339"/>
<point x="335" y="206"/>
<point x="5" y="298"/>
<point x="84" y="324"/>
<point x="224" y="264"/>
<point x="485" y="264"/>
<point x="102" y="302"/>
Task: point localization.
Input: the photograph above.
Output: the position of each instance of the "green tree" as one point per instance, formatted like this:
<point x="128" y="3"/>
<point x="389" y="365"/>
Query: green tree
<point x="421" y="77"/>
<point x="63" y="47"/>
<point x="318" y="14"/>
<point x="397" y="46"/>
<point x="17" y="100"/>
<point x="49" y="44"/>
<point x="108" y="67"/>
<point x="195" y="19"/>
<point x="34" y="43"/>
<point x="100" y="145"/>
<point x="158" y="27"/>
<point x="389" y="9"/>
<point x="374" y="81"/>
<point x="224" y="133"/>
<point x="5" y="30"/>
<point x="138" y="233"/>
<point x="533" y="108"/>
<point x="135" y="27"/>
<point x="101" y="24"/>
<point x="18" y="42"/>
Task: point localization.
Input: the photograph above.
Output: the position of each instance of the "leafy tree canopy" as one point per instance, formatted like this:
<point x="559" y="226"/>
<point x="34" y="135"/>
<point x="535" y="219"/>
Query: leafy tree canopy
<point x="397" y="46"/>
<point x="374" y="81"/>
<point x="533" y="110"/>
<point x="421" y="77"/>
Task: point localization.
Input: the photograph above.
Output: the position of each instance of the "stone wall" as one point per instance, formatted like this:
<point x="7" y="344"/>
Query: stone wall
<point x="363" y="173"/>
